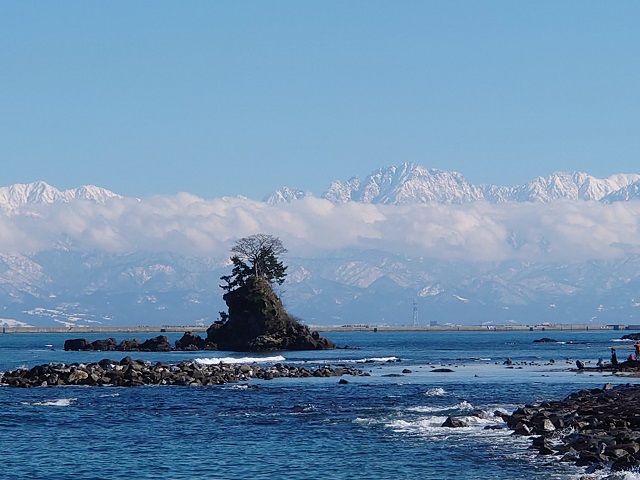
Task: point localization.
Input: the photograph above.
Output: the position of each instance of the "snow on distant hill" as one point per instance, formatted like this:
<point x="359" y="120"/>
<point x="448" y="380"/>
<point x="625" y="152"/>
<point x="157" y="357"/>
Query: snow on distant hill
<point x="37" y="193"/>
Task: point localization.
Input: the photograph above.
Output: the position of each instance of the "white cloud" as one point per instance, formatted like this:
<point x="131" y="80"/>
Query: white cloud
<point x="563" y="230"/>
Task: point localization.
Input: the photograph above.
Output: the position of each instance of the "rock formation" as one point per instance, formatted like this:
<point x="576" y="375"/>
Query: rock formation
<point x="258" y="322"/>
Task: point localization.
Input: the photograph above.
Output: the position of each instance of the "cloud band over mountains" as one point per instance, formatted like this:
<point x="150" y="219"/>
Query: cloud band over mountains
<point x="563" y="230"/>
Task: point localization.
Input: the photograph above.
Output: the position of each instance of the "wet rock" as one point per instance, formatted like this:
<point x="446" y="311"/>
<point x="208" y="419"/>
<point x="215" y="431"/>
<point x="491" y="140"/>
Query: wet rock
<point x="600" y="426"/>
<point x="156" y="344"/>
<point x="454" y="422"/>
<point x="130" y="373"/>
<point x="77" y="344"/>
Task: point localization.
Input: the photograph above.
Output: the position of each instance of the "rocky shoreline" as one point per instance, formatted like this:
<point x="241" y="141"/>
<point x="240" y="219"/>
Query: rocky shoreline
<point x="598" y="428"/>
<point x="132" y="373"/>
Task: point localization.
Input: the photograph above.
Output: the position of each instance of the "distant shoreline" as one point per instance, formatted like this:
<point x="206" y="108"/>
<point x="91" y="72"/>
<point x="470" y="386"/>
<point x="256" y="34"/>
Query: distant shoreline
<point x="329" y="328"/>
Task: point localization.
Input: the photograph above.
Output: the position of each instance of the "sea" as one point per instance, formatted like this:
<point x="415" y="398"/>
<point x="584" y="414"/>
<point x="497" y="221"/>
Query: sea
<point x="386" y="425"/>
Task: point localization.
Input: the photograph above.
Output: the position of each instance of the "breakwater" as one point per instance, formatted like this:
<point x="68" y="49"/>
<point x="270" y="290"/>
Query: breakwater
<point x="328" y="328"/>
<point x="132" y="373"/>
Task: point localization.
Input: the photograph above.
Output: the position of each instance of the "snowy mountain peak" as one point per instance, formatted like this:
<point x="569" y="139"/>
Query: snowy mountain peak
<point x="286" y="195"/>
<point x="571" y="185"/>
<point x="625" y="194"/>
<point x="406" y="183"/>
<point x="13" y="197"/>
<point x="412" y="183"/>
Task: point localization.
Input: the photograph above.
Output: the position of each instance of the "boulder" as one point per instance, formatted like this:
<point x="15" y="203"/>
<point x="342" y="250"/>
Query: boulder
<point x="190" y="341"/>
<point x="107" y="345"/>
<point x="76" y="344"/>
<point x="454" y="422"/>
<point x="156" y="344"/>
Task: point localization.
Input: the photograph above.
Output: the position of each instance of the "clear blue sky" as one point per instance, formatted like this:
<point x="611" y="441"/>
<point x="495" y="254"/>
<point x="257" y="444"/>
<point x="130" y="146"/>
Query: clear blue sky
<point x="226" y="98"/>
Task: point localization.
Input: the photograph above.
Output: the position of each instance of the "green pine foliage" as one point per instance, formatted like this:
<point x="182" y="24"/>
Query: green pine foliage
<point x="256" y="256"/>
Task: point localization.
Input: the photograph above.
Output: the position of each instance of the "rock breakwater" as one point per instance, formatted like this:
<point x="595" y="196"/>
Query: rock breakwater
<point x="131" y="373"/>
<point x="599" y="428"/>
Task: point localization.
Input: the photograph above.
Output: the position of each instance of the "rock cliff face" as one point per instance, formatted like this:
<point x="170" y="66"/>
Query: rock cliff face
<point x="257" y="321"/>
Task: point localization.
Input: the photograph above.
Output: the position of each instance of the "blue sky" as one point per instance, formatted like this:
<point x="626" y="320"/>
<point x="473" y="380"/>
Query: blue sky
<point x="239" y="98"/>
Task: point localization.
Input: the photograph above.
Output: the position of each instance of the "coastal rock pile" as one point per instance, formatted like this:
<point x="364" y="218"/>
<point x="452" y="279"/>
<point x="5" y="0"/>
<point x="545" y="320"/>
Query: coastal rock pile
<point x="188" y="341"/>
<point x="599" y="427"/>
<point x="131" y="373"/>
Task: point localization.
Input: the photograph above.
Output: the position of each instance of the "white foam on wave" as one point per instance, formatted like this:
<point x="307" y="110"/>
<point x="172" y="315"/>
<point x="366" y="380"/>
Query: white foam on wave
<point x="236" y="387"/>
<point x="464" y="406"/>
<point x="423" y="426"/>
<point x="436" y="392"/>
<point x="376" y="359"/>
<point x="621" y="476"/>
<point x="59" y="402"/>
<point x="232" y="360"/>
<point x="432" y="426"/>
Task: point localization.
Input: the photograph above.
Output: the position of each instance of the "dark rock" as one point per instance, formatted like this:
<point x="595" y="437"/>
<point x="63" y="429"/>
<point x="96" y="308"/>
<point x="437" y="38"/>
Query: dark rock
<point x="130" y="373"/>
<point x="454" y="422"/>
<point x="129" y="345"/>
<point x="599" y="426"/>
<point x="631" y="336"/>
<point x="190" y="341"/>
<point x="156" y="344"/>
<point x="76" y="344"/>
<point x="545" y="340"/>
<point x="257" y="321"/>
<point x="442" y="370"/>
<point x="109" y="344"/>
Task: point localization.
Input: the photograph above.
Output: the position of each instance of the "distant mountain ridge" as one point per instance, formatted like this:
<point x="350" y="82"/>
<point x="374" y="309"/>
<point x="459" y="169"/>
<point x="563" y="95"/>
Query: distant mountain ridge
<point x="408" y="183"/>
<point x="65" y="285"/>
<point x="37" y="193"/>
<point x="413" y="183"/>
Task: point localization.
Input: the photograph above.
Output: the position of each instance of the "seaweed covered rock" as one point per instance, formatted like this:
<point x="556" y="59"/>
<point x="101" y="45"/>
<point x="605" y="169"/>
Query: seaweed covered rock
<point x="257" y="322"/>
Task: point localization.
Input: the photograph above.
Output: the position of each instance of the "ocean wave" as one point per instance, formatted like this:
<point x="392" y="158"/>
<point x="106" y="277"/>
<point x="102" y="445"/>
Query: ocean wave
<point x="376" y="359"/>
<point x="436" y="392"/>
<point x="232" y="360"/>
<point x="462" y="406"/>
<point x="432" y="425"/>
<point x="59" y="402"/>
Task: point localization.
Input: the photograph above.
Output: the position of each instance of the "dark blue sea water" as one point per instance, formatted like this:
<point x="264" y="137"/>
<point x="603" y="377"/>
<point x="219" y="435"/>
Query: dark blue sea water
<point x="375" y="427"/>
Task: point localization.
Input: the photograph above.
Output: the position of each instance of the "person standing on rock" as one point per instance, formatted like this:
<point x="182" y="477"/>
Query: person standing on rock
<point x="637" y="347"/>
<point x="614" y="358"/>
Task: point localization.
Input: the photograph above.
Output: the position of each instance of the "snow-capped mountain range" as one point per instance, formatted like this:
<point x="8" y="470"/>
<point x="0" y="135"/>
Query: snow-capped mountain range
<point x="63" y="285"/>
<point x="37" y="193"/>
<point x="413" y="183"/>
<point x="394" y="185"/>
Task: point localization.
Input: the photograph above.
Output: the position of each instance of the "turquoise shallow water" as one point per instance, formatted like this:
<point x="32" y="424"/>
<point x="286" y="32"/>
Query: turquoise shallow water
<point x="375" y="427"/>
